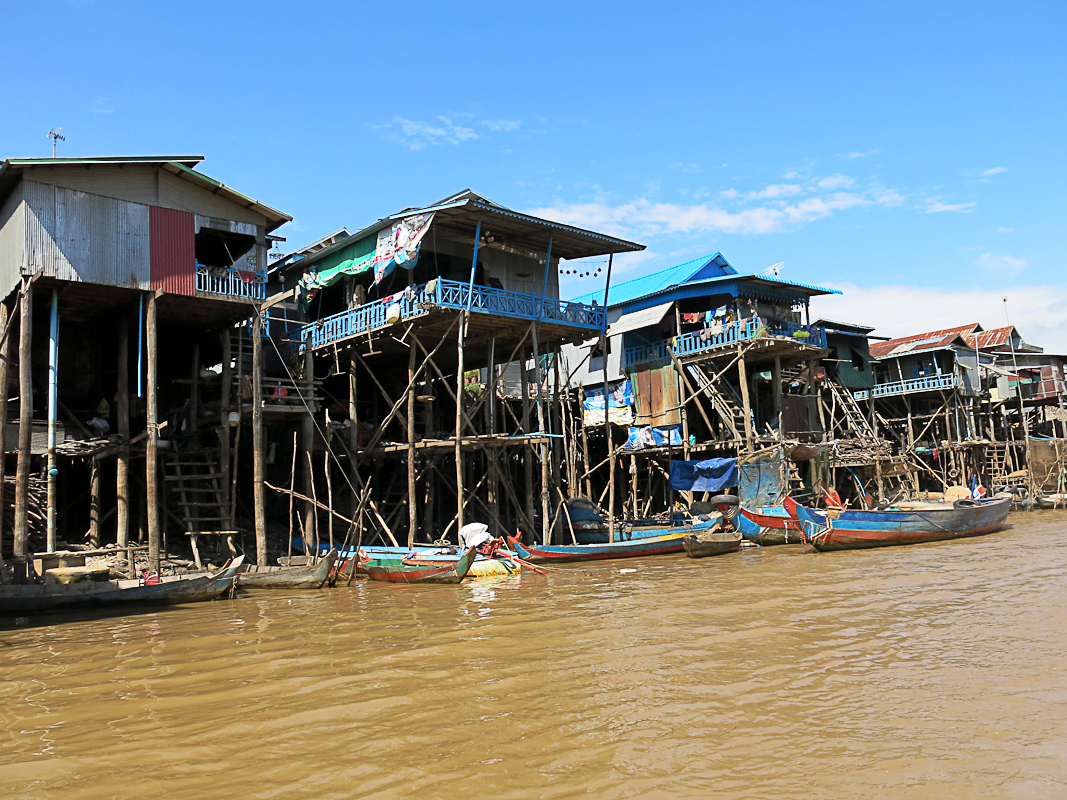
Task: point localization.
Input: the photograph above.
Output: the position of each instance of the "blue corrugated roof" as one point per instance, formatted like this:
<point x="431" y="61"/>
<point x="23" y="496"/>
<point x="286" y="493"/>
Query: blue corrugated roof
<point x="704" y="271"/>
<point x="654" y="282"/>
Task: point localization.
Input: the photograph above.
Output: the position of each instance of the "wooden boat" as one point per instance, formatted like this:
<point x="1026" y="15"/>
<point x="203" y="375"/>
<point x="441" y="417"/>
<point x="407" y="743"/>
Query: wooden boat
<point x="412" y="570"/>
<point x="919" y="522"/>
<point x="702" y="545"/>
<point x="311" y="576"/>
<point x="769" y="525"/>
<point x="21" y="599"/>
<point x="483" y="567"/>
<point x="669" y="541"/>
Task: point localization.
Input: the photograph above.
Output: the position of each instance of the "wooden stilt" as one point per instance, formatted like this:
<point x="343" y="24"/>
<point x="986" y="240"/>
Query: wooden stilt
<point x="546" y="522"/>
<point x="746" y="406"/>
<point x="307" y="441"/>
<point x="353" y="433"/>
<point x="5" y="363"/>
<point x="460" y="393"/>
<point x="292" y="494"/>
<point x="194" y="388"/>
<point x="122" y="424"/>
<point x="224" y="426"/>
<point x="259" y="444"/>
<point x="776" y="387"/>
<point x="329" y="493"/>
<point x="413" y="519"/>
<point x="152" y="446"/>
<point x="94" y="503"/>
<point x="527" y="450"/>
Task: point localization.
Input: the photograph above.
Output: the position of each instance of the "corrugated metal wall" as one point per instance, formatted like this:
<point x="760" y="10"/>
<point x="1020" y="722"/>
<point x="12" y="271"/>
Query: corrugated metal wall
<point x="177" y="193"/>
<point x="173" y="250"/>
<point x="12" y="240"/>
<point x="77" y="236"/>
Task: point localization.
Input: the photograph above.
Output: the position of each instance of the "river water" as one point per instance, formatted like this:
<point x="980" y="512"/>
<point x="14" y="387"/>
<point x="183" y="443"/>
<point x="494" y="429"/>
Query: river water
<point x="931" y="671"/>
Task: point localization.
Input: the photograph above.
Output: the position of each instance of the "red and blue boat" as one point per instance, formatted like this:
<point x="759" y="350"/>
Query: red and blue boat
<point x="766" y="525"/>
<point x="632" y="544"/>
<point x="418" y="570"/>
<point x="912" y="523"/>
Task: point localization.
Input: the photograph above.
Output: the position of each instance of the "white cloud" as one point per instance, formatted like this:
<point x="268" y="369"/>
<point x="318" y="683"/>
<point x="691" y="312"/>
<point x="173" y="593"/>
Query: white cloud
<point x="859" y="154"/>
<point x="1002" y="229"/>
<point x="995" y="262"/>
<point x="935" y="206"/>
<point x="101" y="106"/>
<point x="501" y="125"/>
<point x="417" y="134"/>
<point x="1040" y="312"/>
<point x="994" y="171"/>
<point x="645" y="218"/>
<point x="836" y="181"/>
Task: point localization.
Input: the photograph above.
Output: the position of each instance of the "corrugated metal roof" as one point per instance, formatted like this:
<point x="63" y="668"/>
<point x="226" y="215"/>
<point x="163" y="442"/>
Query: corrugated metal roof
<point x="461" y="211"/>
<point x="997" y="337"/>
<point x="931" y="340"/>
<point x="636" y="320"/>
<point x="648" y="287"/>
<point x="843" y="327"/>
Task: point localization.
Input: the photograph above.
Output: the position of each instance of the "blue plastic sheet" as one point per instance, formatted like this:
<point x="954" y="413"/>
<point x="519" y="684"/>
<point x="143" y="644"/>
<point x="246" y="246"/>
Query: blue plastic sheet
<point x="622" y="396"/>
<point x="710" y="475"/>
<point x="762" y="480"/>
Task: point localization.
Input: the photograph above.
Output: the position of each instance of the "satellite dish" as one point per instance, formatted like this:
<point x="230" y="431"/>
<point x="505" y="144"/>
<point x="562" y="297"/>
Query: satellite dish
<point x="774" y="269"/>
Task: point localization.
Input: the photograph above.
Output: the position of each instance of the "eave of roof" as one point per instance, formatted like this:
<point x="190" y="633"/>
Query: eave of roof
<point x="274" y="217"/>
<point x="843" y="327"/>
<point x="568" y="241"/>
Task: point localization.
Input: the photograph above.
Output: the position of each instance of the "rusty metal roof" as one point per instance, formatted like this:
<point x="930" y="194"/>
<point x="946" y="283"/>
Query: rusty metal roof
<point x="923" y="341"/>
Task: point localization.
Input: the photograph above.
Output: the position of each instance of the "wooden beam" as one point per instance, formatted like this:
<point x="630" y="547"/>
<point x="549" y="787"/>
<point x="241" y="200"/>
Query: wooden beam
<point x="122" y="423"/>
<point x="22" y="478"/>
<point x="259" y="444"/>
<point x="152" y="447"/>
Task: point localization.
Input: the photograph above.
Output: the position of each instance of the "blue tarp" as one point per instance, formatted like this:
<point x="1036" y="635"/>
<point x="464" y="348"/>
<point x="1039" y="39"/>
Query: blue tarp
<point x="762" y="480"/>
<point x="622" y="396"/>
<point x="711" y="475"/>
<point x="642" y="436"/>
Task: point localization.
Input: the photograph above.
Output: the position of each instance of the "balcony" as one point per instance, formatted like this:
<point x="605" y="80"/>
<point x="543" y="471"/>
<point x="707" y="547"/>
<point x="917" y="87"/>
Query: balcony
<point x="230" y="282"/>
<point x="926" y="384"/>
<point x="451" y="295"/>
<point x="697" y="342"/>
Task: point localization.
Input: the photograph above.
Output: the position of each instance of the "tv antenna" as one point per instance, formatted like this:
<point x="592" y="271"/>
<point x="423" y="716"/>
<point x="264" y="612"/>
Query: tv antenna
<point x="774" y="269"/>
<point x="56" y="136"/>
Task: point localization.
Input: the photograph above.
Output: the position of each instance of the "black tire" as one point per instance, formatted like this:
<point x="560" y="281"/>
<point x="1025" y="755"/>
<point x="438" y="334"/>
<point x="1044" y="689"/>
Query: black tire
<point x="723" y="500"/>
<point x="966" y="503"/>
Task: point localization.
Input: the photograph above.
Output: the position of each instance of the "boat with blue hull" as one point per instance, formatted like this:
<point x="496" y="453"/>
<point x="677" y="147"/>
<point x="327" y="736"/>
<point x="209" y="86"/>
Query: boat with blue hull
<point x="634" y="544"/>
<point x="910" y="523"/>
<point x="768" y="525"/>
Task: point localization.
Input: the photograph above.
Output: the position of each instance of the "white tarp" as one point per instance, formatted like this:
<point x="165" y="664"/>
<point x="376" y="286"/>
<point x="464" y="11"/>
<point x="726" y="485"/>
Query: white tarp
<point x="399" y="244"/>
<point x="636" y="320"/>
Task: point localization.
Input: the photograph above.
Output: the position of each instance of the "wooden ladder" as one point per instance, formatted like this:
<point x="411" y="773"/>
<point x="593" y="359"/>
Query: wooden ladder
<point x="194" y="485"/>
<point x="725" y="406"/>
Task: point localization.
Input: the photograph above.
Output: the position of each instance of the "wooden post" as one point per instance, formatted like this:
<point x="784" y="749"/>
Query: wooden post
<point x="22" y="479"/>
<point x="194" y="388"/>
<point x="53" y="373"/>
<point x="607" y="415"/>
<point x="461" y="390"/>
<point x="746" y="406"/>
<point x="259" y="444"/>
<point x="353" y="432"/>
<point x="542" y="448"/>
<point x="527" y="450"/>
<point x="5" y="361"/>
<point x="307" y="430"/>
<point x="152" y="446"/>
<point x="94" y="502"/>
<point x="224" y="425"/>
<point x="585" y="458"/>
<point x="413" y="520"/>
<point x="122" y="423"/>
<point x="776" y="388"/>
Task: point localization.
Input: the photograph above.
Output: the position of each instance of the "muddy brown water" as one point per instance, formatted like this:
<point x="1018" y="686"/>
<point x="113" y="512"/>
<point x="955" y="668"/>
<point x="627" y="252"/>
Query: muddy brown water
<point x="931" y="671"/>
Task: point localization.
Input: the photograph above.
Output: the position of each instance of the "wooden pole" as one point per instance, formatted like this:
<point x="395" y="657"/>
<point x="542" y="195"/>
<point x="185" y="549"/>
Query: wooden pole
<point x="746" y="406"/>
<point x="353" y="432"/>
<point x="292" y="496"/>
<point x="53" y="385"/>
<point x="94" y="502"/>
<point x="413" y="511"/>
<point x="307" y="429"/>
<point x="776" y="388"/>
<point x="329" y="493"/>
<point x="122" y="423"/>
<point x="152" y="446"/>
<point x="607" y="415"/>
<point x="224" y="426"/>
<point x="259" y="444"/>
<point x="546" y="529"/>
<point x="460" y="393"/>
<point x="22" y="479"/>
<point x="527" y="450"/>
<point x="194" y="388"/>
<point x="5" y="361"/>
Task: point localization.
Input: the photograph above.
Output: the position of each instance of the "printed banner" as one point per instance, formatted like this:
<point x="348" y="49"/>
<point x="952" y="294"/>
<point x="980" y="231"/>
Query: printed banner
<point x="399" y="245"/>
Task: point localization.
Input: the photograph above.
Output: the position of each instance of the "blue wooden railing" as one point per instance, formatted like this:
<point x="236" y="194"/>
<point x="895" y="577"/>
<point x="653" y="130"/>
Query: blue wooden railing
<point x="454" y="295"/>
<point x="932" y="382"/>
<point x="229" y="282"/>
<point x="693" y="343"/>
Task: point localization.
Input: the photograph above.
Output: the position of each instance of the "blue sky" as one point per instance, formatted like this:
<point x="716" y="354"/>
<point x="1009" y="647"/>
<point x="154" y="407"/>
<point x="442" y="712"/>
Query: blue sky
<point x="911" y="154"/>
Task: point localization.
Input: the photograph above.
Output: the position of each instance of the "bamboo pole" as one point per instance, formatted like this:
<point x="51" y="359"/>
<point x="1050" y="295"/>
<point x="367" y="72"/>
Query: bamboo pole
<point x="353" y="430"/>
<point x="546" y="531"/>
<point x="460" y="392"/>
<point x="152" y="446"/>
<point x="329" y="493"/>
<point x="259" y="444"/>
<point x="292" y="494"/>
<point x="607" y="409"/>
<point x="94" y="502"/>
<point x="308" y="442"/>
<point x="122" y="422"/>
<point x="53" y="382"/>
<point x="746" y="406"/>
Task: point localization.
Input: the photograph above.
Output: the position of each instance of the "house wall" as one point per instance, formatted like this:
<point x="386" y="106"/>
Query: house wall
<point x="508" y="268"/>
<point x="12" y="240"/>
<point x="845" y="347"/>
<point x="76" y="236"/>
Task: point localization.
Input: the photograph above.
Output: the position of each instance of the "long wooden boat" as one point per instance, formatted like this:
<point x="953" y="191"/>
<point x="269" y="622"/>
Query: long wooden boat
<point x="21" y="599"/>
<point x="930" y="522"/>
<point x="669" y="541"/>
<point x="483" y="567"/>
<point x="769" y="525"/>
<point x="412" y="570"/>
<point x="703" y="545"/>
<point x="311" y="576"/>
